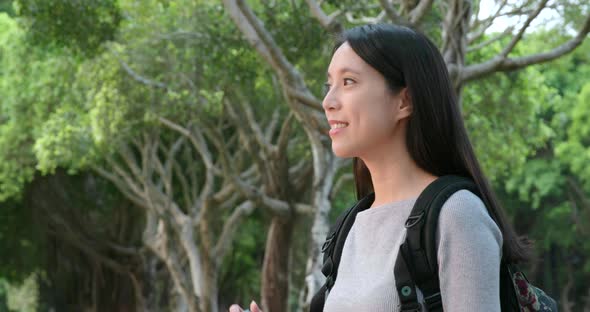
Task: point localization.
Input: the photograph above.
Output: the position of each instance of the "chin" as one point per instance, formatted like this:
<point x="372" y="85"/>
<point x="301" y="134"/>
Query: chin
<point x="342" y="152"/>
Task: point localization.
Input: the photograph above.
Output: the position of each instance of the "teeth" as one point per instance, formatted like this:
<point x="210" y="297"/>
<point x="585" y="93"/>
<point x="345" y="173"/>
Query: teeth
<point x="339" y="125"/>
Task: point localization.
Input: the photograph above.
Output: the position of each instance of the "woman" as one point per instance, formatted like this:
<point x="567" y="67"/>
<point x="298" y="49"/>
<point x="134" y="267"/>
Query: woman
<point x="391" y="106"/>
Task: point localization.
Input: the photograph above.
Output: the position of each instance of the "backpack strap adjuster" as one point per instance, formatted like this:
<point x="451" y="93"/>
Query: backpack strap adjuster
<point x="328" y="242"/>
<point x="328" y="267"/>
<point x="330" y="282"/>
<point x="433" y="301"/>
<point x="413" y="220"/>
<point x="411" y="307"/>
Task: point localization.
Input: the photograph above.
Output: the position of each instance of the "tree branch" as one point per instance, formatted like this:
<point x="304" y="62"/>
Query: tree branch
<point x="275" y="52"/>
<point x="491" y="40"/>
<point x="520" y="33"/>
<point x="418" y="13"/>
<point x="365" y="19"/>
<point x="341" y="180"/>
<point x="392" y="13"/>
<point x="284" y="136"/>
<point x="306" y="99"/>
<point x="272" y="125"/>
<point x="482" y="25"/>
<point x="135" y="75"/>
<point x="196" y="139"/>
<point x="328" y="22"/>
<point x="121" y="186"/>
<point x="476" y="71"/>
<point x="229" y="228"/>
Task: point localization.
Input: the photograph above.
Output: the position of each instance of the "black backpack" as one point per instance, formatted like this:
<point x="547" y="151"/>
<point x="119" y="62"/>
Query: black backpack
<point x="416" y="264"/>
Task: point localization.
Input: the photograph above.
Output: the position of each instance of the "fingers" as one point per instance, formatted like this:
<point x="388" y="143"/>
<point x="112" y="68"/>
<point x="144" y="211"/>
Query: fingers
<point x="235" y="308"/>
<point x="254" y="307"/>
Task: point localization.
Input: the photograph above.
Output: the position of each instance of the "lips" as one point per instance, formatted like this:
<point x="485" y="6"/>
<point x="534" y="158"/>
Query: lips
<point x="337" y="127"/>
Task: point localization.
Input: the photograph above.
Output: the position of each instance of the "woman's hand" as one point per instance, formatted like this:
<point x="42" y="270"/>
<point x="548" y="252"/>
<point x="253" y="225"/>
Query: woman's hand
<point x="253" y="307"/>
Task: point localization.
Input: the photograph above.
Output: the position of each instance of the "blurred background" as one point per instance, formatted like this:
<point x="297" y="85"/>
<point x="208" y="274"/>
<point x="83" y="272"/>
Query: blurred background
<point x="173" y="155"/>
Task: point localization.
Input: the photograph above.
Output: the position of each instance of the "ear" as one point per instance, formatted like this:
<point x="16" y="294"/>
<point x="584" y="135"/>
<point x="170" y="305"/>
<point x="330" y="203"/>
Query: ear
<point x="404" y="104"/>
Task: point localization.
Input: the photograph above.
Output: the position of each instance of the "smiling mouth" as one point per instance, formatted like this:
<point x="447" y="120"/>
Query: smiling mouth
<point x="339" y="126"/>
<point x="335" y="128"/>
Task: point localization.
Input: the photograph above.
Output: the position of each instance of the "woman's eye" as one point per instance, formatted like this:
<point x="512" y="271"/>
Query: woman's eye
<point x="348" y="80"/>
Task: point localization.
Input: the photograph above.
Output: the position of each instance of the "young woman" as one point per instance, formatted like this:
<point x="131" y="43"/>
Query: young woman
<point x="391" y="107"/>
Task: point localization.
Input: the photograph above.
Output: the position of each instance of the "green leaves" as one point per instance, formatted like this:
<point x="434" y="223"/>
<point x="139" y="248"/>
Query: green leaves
<point x="575" y="151"/>
<point x="81" y="25"/>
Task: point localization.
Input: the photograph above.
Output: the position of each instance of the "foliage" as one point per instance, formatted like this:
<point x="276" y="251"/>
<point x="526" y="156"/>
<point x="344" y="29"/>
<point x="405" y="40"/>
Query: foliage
<point x="80" y="79"/>
<point x="502" y="115"/>
<point x="23" y="297"/>
<point x="82" y="25"/>
<point x="551" y="188"/>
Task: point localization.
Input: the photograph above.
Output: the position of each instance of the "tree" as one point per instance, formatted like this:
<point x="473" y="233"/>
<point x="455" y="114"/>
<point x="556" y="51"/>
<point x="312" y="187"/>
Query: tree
<point x="200" y="126"/>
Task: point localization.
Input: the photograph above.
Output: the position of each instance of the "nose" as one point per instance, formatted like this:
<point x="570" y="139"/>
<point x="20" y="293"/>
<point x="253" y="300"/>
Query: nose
<point x="330" y="101"/>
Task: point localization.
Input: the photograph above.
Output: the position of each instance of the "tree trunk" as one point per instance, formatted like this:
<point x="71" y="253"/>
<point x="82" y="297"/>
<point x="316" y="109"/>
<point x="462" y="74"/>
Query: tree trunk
<point x="454" y="48"/>
<point x="275" y="274"/>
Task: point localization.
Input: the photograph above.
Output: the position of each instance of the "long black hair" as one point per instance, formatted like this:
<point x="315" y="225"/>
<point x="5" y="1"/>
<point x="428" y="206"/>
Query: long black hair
<point x="436" y="137"/>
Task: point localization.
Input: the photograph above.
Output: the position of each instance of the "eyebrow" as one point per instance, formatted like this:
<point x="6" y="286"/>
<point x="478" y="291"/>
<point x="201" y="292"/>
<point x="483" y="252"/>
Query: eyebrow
<point x="345" y="69"/>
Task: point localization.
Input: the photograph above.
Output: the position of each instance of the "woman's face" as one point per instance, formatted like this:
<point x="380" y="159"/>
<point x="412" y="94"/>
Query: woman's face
<point x="362" y="111"/>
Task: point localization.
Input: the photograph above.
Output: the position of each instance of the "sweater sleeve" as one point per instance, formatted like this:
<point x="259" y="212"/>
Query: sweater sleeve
<point x="469" y="254"/>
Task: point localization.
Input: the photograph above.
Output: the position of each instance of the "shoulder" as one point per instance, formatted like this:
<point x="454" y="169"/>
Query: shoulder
<point x="465" y="214"/>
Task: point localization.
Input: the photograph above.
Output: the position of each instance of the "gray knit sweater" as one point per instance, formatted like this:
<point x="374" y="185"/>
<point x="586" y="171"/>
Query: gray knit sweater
<point x="469" y="252"/>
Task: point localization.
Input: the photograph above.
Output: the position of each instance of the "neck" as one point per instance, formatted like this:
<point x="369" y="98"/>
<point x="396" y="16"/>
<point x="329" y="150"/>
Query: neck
<point x="394" y="173"/>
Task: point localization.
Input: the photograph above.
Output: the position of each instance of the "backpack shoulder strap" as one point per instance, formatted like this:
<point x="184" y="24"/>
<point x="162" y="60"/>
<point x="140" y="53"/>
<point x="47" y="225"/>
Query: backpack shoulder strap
<point x="416" y="264"/>
<point x="332" y="249"/>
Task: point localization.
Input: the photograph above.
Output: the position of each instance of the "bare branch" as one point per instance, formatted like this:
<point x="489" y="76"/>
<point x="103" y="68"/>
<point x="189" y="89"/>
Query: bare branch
<point x="520" y="33"/>
<point x="67" y="234"/>
<point x="284" y="136"/>
<point x="197" y="141"/>
<point x="229" y="228"/>
<point x="304" y="209"/>
<point x="484" y="24"/>
<point x="306" y="99"/>
<point x="475" y="71"/>
<point x="304" y="170"/>
<point x="191" y="174"/>
<point x="130" y="161"/>
<point x="256" y="131"/>
<point x="171" y="155"/>
<point x="491" y="40"/>
<point x="365" y="19"/>
<point x="248" y="30"/>
<point x="275" y="52"/>
<point x="288" y="75"/>
<point x="125" y="177"/>
<point x="343" y="179"/>
<point x="278" y="207"/>
<point x="392" y="13"/>
<point x="135" y="75"/>
<point x="186" y="189"/>
<point x="160" y="245"/>
<point x="272" y="125"/>
<point x="121" y="186"/>
<point x="154" y="158"/>
<point x="328" y="22"/>
<point x="228" y="192"/>
<point x="418" y="13"/>
<point x="259" y="149"/>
